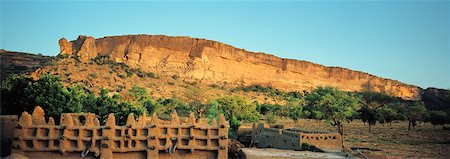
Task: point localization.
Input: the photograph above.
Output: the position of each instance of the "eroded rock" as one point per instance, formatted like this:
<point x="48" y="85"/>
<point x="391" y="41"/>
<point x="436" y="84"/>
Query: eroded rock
<point x="214" y="62"/>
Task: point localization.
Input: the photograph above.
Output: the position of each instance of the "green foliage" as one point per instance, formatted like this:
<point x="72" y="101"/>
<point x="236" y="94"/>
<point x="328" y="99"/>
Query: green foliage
<point x="265" y="108"/>
<point x="413" y="112"/>
<point x="337" y="106"/>
<point x="138" y="93"/>
<point x="103" y="59"/>
<point x="171" y="104"/>
<point x="236" y="109"/>
<point x="151" y="75"/>
<point x="374" y="106"/>
<point x="120" y="88"/>
<point x="196" y="98"/>
<point x="241" y="108"/>
<point x="49" y="93"/>
<point x="305" y="146"/>
<point x="387" y="114"/>
<point x="272" y="118"/>
<point x="93" y="75"/>
<point x="295" y="108"/>
<point x="129" y="71"/>
<point x="270" y="91"/>
<point x="152" y="106"/>
<point x="234" y="125"/>
<point x="213" y="111"/>
<point x="14" y="97"/>
<point x="438" y="117"/>
<point x="55" y="99"/>
<point x="121" y="75"/>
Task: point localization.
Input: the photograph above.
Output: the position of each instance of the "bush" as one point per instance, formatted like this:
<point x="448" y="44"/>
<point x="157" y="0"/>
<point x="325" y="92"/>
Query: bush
<point x="103" y="59"/>
<point x="93" y="75"/>
<point x="151" y="75"/>
<point x="272" y="118"/>
<point x="438" y="118"/>
<point x="129" y="71"/>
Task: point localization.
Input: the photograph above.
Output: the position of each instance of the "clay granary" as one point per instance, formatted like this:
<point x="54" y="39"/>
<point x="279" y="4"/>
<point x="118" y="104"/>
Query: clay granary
<point x="80" y="135"/>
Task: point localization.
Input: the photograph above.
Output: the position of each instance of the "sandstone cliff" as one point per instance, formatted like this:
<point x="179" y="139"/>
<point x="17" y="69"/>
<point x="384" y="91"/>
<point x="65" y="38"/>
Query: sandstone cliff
<point x="214" y="62"/>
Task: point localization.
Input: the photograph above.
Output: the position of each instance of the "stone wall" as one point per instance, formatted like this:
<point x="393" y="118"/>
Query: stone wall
<point x="292" y="139"/>
<point x="81" y="135"/>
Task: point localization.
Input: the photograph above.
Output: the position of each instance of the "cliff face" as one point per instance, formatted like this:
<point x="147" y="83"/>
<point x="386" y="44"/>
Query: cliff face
<point x="214" y="62"/>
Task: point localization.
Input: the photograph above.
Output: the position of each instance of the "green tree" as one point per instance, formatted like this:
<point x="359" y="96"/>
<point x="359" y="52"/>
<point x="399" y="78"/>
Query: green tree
<point x="337" y="106"/>
<point x="152" y="106"/>
<point x="387" y="114"/>
<point x="138" y="93"/>
<point x="369" y="115"/>
<point x="372" y="105"/>
<point x="295" y="108"/>
<point x="170" y="104"/>
<point x="236" y="109"/>
<point x="213" y="111"/>
<point x="54" y="98"/>
<point x="438" y="118"/>
<point x="196" y="98"/>
<point x="14" y="97"/>
<point x="414" y="112"/>
<point x="272" y="118"/>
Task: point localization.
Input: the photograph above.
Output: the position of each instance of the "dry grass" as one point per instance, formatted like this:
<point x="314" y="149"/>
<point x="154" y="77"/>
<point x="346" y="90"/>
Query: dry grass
<point x="394" y="141"/>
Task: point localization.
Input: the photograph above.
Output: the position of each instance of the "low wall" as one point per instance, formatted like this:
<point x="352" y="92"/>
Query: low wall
<point x="7" y="125"/>
<point x="292" y="139"/>
<point x="36" y="138"/>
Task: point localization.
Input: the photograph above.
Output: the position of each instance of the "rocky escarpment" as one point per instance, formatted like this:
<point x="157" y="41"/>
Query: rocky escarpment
<point x="18" y="62"/>
<point x="214" y="62"/>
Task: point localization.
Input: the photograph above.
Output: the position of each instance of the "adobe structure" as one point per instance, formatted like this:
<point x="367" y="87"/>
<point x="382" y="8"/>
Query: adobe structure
<point x="80" y="135"/>
<point x="292" y="139"/>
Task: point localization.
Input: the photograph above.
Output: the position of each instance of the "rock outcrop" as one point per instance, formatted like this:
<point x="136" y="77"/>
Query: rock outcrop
<point x="436" y="99"/>
<point x="83" y="48"/>
<point x="214" y="62"/>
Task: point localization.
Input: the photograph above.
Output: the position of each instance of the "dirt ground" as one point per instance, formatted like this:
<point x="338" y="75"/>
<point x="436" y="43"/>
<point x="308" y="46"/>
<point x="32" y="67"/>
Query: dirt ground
<point x="392" y="141"/>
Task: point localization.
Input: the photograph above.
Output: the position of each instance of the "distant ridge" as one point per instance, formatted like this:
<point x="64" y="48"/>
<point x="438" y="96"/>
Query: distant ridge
<point x="214" y="62"/>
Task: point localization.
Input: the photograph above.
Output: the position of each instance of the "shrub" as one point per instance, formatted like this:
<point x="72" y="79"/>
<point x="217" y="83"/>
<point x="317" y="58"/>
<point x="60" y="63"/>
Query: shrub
<point x="151" y="75"/>
<point x="93" y="75"/>
<point x="272" y="118"/>
<point x="103" y="59"/>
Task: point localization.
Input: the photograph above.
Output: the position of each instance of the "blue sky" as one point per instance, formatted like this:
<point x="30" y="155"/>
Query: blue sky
<point x="402" y="40"/>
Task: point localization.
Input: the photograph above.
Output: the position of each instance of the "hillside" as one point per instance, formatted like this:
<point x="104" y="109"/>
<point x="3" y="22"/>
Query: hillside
<point x="18" y="63"/>
<point x="209" y="63"/>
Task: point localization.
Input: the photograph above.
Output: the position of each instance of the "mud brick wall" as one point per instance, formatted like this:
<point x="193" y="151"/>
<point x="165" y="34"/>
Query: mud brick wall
<point x="80" y="135"/>
<point x="292" y="139"/>
<point x="7" y="125"/>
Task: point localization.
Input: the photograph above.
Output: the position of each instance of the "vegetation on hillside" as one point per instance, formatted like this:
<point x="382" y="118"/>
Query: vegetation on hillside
<point x="20" y="93"/>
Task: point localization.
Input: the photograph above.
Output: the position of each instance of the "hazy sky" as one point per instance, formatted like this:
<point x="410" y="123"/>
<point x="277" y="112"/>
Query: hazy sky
<point x="402" y="40"/>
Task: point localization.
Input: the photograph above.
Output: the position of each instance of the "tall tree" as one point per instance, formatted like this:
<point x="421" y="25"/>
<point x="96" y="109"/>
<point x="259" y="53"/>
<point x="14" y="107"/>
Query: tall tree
<point x="295" y="108"/>
<point x="337" y="106"/>
<point x="414" y="112"/>
<point x="372" y="103"/>
<point x="196" y="96"/>
<point x="236" y="109"/>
